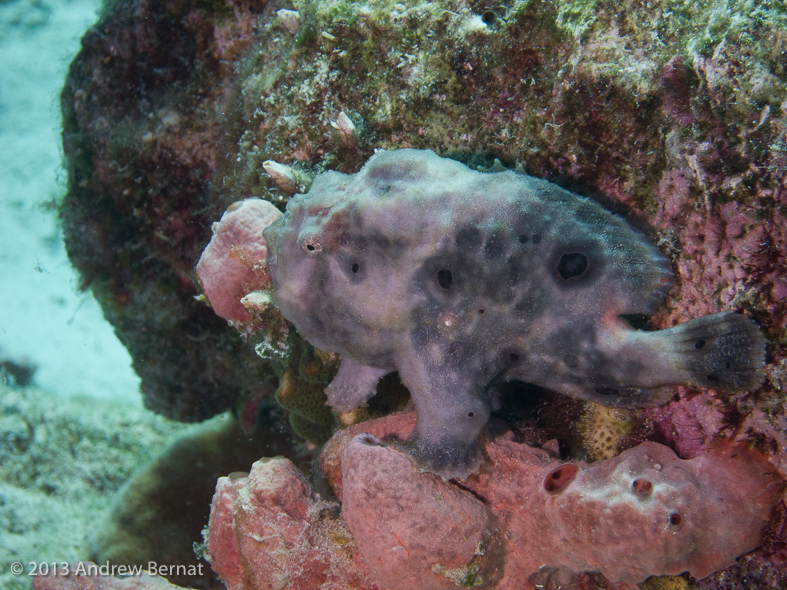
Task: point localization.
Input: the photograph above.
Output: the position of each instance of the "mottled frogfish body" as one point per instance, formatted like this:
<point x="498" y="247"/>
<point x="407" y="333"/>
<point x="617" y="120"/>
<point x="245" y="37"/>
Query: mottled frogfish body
<point x="458" y="279"/>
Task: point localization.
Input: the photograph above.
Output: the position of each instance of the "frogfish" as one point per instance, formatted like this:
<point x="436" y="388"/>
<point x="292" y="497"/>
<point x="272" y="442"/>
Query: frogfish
<point x="460" y="280"/>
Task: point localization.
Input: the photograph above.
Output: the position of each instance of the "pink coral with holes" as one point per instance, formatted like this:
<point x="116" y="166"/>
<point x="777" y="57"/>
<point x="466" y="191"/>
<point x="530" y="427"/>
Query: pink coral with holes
<point x="526" y="516"/>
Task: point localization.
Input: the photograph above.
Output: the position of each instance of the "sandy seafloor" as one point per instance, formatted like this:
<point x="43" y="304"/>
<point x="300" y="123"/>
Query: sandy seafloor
<point x="70" y="438"/>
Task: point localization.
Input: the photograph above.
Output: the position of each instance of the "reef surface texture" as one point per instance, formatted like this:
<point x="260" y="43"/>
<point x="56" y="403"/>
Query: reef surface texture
<point x="673" y="113"/>
<point x="670" y="113"/>
<point x="525" y="517"/>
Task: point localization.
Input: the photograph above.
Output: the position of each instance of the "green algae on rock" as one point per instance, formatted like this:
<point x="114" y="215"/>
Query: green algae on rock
<point x="667" y="110"/>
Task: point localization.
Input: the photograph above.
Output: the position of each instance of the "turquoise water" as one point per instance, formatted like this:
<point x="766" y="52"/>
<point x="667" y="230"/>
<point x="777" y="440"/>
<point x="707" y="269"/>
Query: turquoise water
<point x="72" y="428"/>
<point x="73" y="431"/>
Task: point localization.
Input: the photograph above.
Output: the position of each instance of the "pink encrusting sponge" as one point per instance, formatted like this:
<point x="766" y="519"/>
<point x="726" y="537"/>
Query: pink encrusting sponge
<point x="233" y="263"/>
<point x="526" y="521"/>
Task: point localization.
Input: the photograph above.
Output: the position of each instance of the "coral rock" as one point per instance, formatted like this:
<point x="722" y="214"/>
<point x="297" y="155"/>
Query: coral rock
<point x="233" y="264"/>
<point x="394" y="427"/>
<point x="526" y="519"/>
<point x="413" y="529"/>
<point x="602" y="430"/>
<point x="645" y="512"/>
<point x="690" y="424"/>
<point x="172" y="108"/>
<point x="265" y="531"/>
<point x="160" y="512"/>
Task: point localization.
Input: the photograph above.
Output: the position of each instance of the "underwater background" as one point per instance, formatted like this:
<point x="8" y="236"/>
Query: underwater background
<point x="124" y="397"/>
<point x="72" y="426"/>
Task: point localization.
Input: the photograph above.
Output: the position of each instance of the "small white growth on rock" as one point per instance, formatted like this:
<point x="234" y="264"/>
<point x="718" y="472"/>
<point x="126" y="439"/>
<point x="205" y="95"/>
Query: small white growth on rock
<point x="258" y="301"/>
<point x="285" y="177"/>
<point x="473" y="24"/>
<point x="291" y="19"/>
<point x="345" y="128"/>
